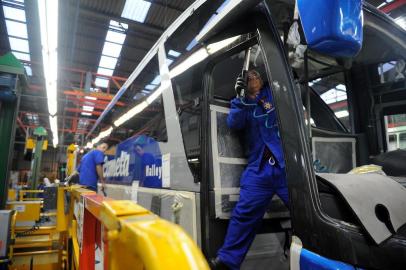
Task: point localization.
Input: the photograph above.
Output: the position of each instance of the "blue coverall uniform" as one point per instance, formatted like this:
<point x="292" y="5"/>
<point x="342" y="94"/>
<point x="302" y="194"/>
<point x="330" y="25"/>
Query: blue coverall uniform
<point x="260" y="180"/>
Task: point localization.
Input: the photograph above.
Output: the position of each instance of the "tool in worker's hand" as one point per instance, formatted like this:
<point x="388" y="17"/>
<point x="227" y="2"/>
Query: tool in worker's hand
<point x="241" y="83"/>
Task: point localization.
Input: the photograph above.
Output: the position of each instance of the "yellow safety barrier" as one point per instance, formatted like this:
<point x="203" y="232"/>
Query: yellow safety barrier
<point x="139" y="239"/>
<point x="129" y="236"/>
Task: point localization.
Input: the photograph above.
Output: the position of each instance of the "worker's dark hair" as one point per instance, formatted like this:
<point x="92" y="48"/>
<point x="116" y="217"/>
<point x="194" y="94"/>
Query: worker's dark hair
<point x="256" y="74"/>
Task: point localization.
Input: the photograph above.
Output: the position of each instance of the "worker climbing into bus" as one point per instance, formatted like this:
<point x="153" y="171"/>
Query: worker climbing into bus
<point x="91" y="167"/>
<point x="254" y="112"/>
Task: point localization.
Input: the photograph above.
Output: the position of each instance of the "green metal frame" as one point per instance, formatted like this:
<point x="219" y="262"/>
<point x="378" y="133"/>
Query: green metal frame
<point x="8" y="115"/>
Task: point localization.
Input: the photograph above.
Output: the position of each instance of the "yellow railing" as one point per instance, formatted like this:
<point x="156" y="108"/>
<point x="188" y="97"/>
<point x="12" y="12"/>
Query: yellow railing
<point x="134" y="238"/>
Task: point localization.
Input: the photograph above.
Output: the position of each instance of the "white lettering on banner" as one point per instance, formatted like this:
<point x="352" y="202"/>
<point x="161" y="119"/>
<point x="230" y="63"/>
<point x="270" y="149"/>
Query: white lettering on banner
<point x="153" y="170"/>
<point x="118" y="166"/>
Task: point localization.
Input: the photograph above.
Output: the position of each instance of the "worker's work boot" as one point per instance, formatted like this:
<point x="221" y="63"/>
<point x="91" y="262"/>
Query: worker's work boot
<point x="217" y="264"/>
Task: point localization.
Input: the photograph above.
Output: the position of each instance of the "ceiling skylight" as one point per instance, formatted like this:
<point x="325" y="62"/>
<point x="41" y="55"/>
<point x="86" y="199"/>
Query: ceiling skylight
<point x="108" y="62"/>
<point x="173" y="53"/>
<point x="112" y="49"/>
<point x="113" y="44"/>
<point x="28" y="70"/>
<point x="169" y="61"/>
<point x="15" y="20"/>
<point x="136" y="10"/>
<point x="105" y="71"/>
<point x="22" y="56"/>
<point x="18" y="44"/>
<point x="156" y="80"/>
<point x="16" y="29"/>
<point x="150" y="87"/>
<point x="14" y="13"/>
<point x="102" y="82"/>
<point x="115" y="37"/>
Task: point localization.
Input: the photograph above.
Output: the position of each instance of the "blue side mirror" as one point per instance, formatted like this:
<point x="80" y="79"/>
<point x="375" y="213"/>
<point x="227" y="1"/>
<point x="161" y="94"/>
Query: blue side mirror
<point x="332" y="27"/>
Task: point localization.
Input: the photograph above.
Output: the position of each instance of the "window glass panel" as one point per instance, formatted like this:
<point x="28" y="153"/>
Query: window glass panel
<point x="396" y="131"/>
<point x="392" y="71"/>
<point x="139" y="112"/>
<point x="333" y="92"/>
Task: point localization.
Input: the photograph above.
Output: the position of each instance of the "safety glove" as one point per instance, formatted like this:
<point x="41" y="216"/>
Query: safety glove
<point x="240" y="86"/>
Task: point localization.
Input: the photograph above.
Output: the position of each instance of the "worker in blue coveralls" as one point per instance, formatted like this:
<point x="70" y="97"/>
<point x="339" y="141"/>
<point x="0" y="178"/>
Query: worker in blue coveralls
<point x="91" y="167"/>
<point x="264" y="175"/>
<point x="148" y="164"/>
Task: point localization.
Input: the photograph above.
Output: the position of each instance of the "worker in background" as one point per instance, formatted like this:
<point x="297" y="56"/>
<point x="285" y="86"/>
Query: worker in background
<point x="150" y="177"/>
<point x="91" y="167"/>
<point x="264" y="175"/>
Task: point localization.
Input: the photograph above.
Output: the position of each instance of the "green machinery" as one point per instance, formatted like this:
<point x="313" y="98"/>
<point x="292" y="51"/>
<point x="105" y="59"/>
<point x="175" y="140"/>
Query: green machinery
<point x="40" y="135"/>
<point x="12" y="80"/>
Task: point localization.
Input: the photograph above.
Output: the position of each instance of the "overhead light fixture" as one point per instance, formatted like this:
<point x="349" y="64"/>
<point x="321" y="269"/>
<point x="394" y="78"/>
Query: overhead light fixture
<point x="192" y="60"/>
<point x="53" y="122"/>
<point x="90" y="98"/>
<point x="200" y="55"/>
<point x="102" y="135"/>
<point x="48" y="15"/>
<point x="131" y="113"/>
<point x="155" y="94"/>
<point x="215" y="47"/>
<point x="141" y="106"/>
<point x="136" y="10"/>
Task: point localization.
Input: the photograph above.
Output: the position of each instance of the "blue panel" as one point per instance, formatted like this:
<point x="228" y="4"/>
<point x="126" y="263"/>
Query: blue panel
<point x="313" y="261"/>
<point x="332" y="27"/>
<point x="137" y="158"/>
